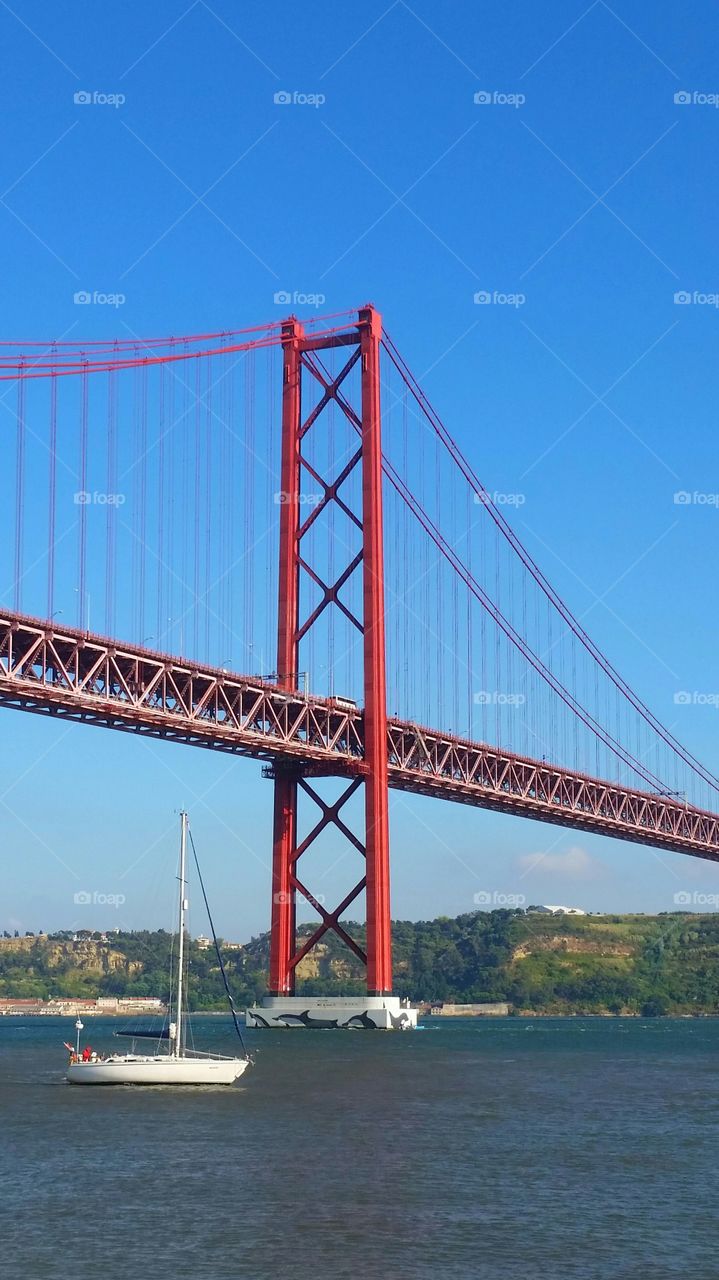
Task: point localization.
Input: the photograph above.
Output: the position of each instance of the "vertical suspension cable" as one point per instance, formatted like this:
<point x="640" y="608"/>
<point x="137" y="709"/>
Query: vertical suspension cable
<point x="83" y="607"/>
<point x="111" y="509"/>
<point x="19" y="486"/>
<point x="161" y="561"/>
<point x="399" y="659"/>
<point x="198" y="491"/>
<point x="171" y="455"/>
<point x="52" y="498"/>
<point x="331" y="610"/>
<point x="250" y="465"/>
<point x="220" y="515"/>
<point x="511" y="707"/>
<point x="209" y="517"/>
<point x="440" y="573"/>
<point x="483" y="577"/>
<point x="425" y="596"/>
<point x="271" y="551"/>
<point x="185" y="517"/>
<point x="469" y="617"/>
<point x="144" y="471"/>
<point x="497" y="647"/>
<point x="407" y="708"/>
<point x="575" y="720"/>
<point x="529" y="741"/>
<point x="136" y="503"/>
<point x="232" y="503"/>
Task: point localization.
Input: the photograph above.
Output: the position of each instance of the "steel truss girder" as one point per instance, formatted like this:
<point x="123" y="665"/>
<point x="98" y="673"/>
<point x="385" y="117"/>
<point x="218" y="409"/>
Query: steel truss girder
<point x="71" y="673"/>
<point x="55" y="670"/>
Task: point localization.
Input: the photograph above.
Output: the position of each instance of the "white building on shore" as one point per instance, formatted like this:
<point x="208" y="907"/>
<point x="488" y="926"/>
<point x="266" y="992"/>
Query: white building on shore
<point x="549" y="910"/>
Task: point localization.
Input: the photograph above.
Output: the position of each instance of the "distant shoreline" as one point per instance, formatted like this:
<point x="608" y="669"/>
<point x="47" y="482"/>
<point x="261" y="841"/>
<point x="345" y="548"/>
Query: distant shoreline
<point x="520" y="1016"/>
<point x="504" y="962"/>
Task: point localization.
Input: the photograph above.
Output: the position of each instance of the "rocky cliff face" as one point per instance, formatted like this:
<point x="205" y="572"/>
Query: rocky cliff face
<point x="567" y="944"/>
<point x="319" y="963"/>
<point x="87" y="955"/>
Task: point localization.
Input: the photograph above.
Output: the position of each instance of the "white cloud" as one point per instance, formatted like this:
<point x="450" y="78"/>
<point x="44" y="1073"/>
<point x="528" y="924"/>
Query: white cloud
<point x="575" y="864"/>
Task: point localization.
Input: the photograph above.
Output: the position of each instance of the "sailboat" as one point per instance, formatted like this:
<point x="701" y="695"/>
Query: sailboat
<point x="177" y="1064"/>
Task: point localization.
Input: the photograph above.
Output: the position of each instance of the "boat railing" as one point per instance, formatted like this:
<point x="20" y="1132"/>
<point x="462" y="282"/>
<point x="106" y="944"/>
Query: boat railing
<point x="213" y="1057"/>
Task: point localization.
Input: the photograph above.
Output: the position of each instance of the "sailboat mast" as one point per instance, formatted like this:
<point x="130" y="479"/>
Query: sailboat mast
<point x="181" y="947"/>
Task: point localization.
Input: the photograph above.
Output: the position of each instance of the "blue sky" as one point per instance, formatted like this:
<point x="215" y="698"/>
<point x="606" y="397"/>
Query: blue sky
<point x="590" y="192"/>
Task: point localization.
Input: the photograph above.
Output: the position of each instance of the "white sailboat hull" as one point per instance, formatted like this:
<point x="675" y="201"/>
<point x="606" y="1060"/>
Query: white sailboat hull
<point x="159" y="1069"/>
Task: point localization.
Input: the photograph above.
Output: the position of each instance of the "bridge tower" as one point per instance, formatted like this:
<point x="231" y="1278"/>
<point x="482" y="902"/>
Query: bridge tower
<point x="301" y="362"/>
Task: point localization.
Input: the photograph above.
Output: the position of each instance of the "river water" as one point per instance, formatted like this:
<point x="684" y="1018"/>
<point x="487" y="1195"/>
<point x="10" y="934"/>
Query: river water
<point x="504" y="1150"/>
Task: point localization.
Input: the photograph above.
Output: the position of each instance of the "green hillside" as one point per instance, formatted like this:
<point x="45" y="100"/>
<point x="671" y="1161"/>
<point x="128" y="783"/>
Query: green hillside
<point x="626" y="964"/>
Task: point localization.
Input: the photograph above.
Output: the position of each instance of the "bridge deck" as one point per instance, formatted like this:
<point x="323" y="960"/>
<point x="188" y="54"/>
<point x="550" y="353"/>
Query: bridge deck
<point x="56" y="670"/>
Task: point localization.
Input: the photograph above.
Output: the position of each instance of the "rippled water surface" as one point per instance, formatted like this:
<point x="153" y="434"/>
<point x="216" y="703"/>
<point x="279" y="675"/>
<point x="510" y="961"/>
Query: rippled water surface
<point x="500" y="1149"/>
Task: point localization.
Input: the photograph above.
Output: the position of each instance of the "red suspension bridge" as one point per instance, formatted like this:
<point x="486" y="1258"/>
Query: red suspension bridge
<point x="285" y="501"/>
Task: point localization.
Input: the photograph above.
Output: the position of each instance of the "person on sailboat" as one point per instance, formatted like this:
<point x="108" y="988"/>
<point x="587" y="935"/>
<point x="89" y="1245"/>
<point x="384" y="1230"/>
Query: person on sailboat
<point x="86" y="1053"/>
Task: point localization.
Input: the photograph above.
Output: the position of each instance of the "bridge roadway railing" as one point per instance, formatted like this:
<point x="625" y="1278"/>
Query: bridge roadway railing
<point x="57" y="670"/>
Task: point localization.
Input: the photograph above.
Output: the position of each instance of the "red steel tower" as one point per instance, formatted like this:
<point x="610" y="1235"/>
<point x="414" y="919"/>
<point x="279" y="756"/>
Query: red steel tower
<point x="300" y="363"/>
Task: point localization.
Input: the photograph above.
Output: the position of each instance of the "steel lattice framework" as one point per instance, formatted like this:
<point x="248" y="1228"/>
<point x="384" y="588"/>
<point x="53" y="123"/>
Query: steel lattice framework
<point x="300" y="366"/>
<point x="71" y="674"/>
